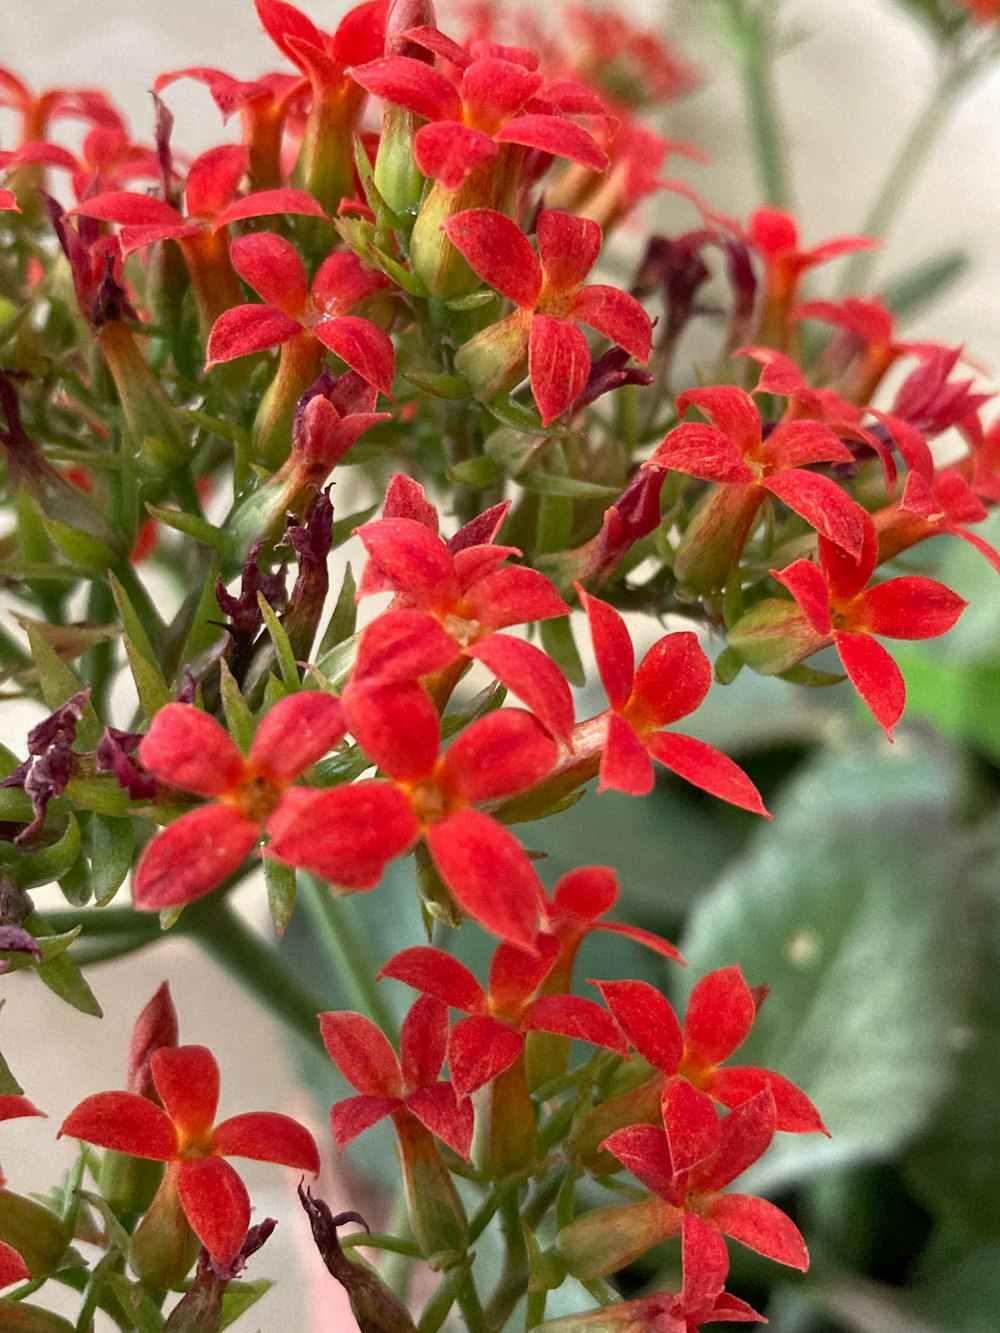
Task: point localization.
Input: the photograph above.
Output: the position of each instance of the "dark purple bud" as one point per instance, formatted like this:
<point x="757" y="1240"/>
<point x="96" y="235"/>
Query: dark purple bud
<point x="46" y="779"/>
<point x="14" y="939"/>
<point x="115" y="751"/>
<point x="311" y="541"/>
<point x="243" y="610"/>
<point x="607" y="373"/>
<point x="60" y="725"/>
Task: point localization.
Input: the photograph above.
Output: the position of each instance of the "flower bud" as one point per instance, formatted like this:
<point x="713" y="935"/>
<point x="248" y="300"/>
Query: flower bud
<point x="773" y="636"/>
<point x="607" y="1239"/>
<point x="436" y="1212"/>
<point x="163" y="1245"/>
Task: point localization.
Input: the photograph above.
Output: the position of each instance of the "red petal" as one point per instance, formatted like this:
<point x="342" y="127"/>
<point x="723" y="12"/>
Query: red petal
<point x="573" y="1016"/>
<point x="412" y="84"/>
<point x="514" y="595"/>
<point x="448" y="1116"/>
<point x="691" y="1123"/>
<point x="808" y="586"/>
<point x="191" y="857"/>
<point x="14" y="1106"/>
<point x="845" y="574"/>
<point x="354" y="1115"/>
<point x="536" y="680"/>
<point x="625" y="762"/>
<point x="760" y="1226"/>
<point x="569" y="247"/>
<point x="705" y="767"/>
<point x="746" y="1134"/>
<point x="189" y="749"/>
<point x="187" y="1080"/>
<point x="213" y="178"/>
<point x="494" y="89"/>
<point x="823" y="505"/>
<point x="346" y="835"/>
<point x="515" y="975"/>
<point x="646" y="1153"/>
<point x="612" y="649"/>
<point x="449" y="152"/>
<point x="12" y="1266"/>
<point x="732" y="411"/>
<point x="553" y="134"/>
<point x="134" y="238"/>
<point x="216" y="1204"/>
<point x="423" y="1041"/>
<point x="489" y="873"/>
<point x="646" y="937"/>
<point x="296" y="732"/>
<point x="362" y="1053"/>
<point x="437" y="973"/>
<point x="267" y="1136"/>
<point x="911" y="607"/>
<point x="497" y="251"/>
<point x="796" y="443"/>
<point x="365" y="347"/>
<point x="498" y="755"/>
<point x="272" y="267"/>
<point x="672" y="680"/>
<point x="702" y="451"/>
<point x="128" y="207"/>
<point x="719" y="1017"/>
<point x="264" y="202"/>
<point x="401" y="646"/>
<point x="587" y="893"/>
<point x="398" y="728"/>
<point x="558" y="364"/>
<point x="618" y="316"/>
<point x="795" y="1113"/>
<point x="648" y="1020"/>
<point x="246" y="329"/>
<point x="414" y="559"/>
<point x="342" y="282"/>
<point x="479" y="1049"/>
<point x="875" y="676"/>
<point x="124" y="1122"/>
<point x="282" y="21"/>
<point x="705" y="1264"/>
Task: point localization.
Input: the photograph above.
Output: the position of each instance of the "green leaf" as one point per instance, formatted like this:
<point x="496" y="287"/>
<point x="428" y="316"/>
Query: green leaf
<point x="345" y="616"/>
<point x="61" y="974"/>
<point x="112" y="844"/>
<point x="519" y="418"/>
<point x="239" y="719"/>
<point x="558" y="642"/>
<point x="152" y="689"/>
<point x="546" y="483"/>
<point x="964" y="1295"/>
<point x="954" y="1168"/>
<point x="282" y="646"/>
<point x="453" y="387"/>
<point x="919" y="286"/>
<point x="60" y="683"/>
<point x="848" y="907"/>
<point x="9" y="1086"/>
<point x="49" y="947"/>
<point x="280" y="881"/>
<point x="240" y="1297"/>
<point x="32" y="869"/>
<point x="477" y="473"/>
<point x="136" y="1303"/>
<point x="193" y="525"/>
<point x="81" y="547"/>
<point x="35" y="1232"/>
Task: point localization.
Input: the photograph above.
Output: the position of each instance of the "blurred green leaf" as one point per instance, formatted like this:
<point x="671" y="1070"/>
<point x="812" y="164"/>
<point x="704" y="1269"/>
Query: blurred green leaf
<point x="964" y="1296"/>
<point x="850" y="906"/>
<point x="61" y="974"/>
<point x="112" y="842"/>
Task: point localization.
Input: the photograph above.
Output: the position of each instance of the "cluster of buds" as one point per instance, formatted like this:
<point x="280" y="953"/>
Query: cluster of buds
<point x="411" y="297"/>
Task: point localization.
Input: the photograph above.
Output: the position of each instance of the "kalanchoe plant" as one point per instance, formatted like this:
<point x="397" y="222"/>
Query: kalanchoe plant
<point x="403" y="309"/>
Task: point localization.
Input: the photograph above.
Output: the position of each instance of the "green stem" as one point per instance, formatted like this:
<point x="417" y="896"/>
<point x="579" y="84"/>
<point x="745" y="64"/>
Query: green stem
<point x="913" y="152"/>
<point x="348" y="954"/>
<point x="471" y="1307"/>
<point x="223" y="935"/>
<point x="756" y="37"/>
<point x="513" y="1279"/>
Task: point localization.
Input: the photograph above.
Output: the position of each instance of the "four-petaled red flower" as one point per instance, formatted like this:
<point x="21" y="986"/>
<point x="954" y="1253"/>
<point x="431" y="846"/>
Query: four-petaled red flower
<point x="720" y="1014"/>
<point x="552" y="301"/>
<point x="294" y="310"/>
<point x="182" y="1133"/>
<point x="405" y="1086"/>
<point x="491" y="1038"/>
<point x="188" y="749"/>
<point x="672" y="680"/>
<point x="841" y="609"/>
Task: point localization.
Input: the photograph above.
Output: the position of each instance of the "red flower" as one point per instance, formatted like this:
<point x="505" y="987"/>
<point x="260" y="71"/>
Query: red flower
<point x="499" y="100"/>
<point x="348" y="834"/>
<point x="551" y="299"/>
<point x="188" y="749"/>
<point x="491" y="1038"/>
<point x="844" y="611"/>
<point x="720" y="1014"/>
<point x="732" y="450"/>
<point x="448" y="609"/>
<point x="672" y="680"/>
<point x="405" y="1086"/>
<point x="294" y="310"/>
<point x="181" y="1133"/>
